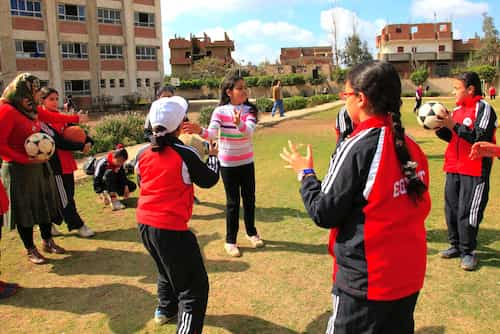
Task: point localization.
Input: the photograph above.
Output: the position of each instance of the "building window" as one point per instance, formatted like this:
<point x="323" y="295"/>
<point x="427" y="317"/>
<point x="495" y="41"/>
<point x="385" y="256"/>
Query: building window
<point x="144" y="19"/>
<point x="398" y="29"/>
<point x="25" y="8"/>
<point x="414" y="49"/>
<point x="109" y="51"/>
<point x="187" y="55"/>
<point x="147" y="83"/>
<point x="103" y="83"/>
<point x="112" y="83"/>
<point x="106" y="15"/>
<point x="44" y="83"/>
<point x="442" y="69"/>
<point x="74" y="51"/>
<point x="30" y="49"/>
<point x="401" y="49"/>
<point x="145" y="53"/>
<point x="443" y="28"/>
<point x="70" y="12"/>
<point x="77" y="87"/>
<point x="122" y="83"/>
<point x="414" y="29"/>
<point x="442" y="48"/>
<point x="139" y="84"/>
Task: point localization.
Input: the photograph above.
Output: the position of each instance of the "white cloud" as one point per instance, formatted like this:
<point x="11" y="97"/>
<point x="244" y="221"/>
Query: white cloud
<point x="346" y="22"/>
<point x="276" y="31"/>
<point x="447" y="9"/>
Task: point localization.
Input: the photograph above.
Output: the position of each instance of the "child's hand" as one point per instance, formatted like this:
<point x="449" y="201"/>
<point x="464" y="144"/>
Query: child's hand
<point x="86" y="148"/>
<point x="83" y="117"/>
<point x="237" y="116"/>
<point x="483" y="149"/>
<point x="126" y="193"/>
<point x="295" y="161"/>
<point x="213" y="148"/>
<point x="190" y="128"/>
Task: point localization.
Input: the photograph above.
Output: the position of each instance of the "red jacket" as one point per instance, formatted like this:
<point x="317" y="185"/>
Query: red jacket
<point x="476" y="121"/>
<point x="4" y="200"/>
<point x="380" y="242"/>
<point x="493" y="90"/>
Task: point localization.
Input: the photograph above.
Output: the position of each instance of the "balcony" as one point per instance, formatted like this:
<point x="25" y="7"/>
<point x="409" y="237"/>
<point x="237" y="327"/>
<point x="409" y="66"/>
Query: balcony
<point x="424" y="56"/>
<point x="397" y="56"/>
<point x="445" y="55"/>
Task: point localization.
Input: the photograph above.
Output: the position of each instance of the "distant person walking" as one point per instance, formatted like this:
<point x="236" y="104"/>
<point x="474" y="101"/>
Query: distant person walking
<point x="493" y="92"/>
<point x="278" y="99"/>
<point x="419" y="93"/>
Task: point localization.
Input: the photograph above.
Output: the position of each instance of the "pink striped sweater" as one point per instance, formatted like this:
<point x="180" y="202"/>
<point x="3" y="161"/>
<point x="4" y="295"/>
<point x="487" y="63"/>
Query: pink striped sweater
<point x="235" y="143"/>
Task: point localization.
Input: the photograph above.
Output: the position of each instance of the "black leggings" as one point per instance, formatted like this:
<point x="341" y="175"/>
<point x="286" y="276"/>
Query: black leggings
<point x="26" y="234"/>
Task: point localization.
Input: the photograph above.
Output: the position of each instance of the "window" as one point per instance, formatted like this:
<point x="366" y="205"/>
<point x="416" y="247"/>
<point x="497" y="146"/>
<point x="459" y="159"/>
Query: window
<point x="414" y="49"/>
<point x="109" y="51"/>
<point x="77" y="87"/>
<point x="398" y="29"/>
<point x="144" y="19"/>
<point x="112" y="83"/>
<point x="145" y="53"/>
<point x="147" y="82"/>
<point x="209" y="53"/>
<point x="44" y="83"/>
<point x="442" y="48"/>
<point x="25" y="8"/>
<point x="442" y="69"/>
<point x="414" y="29"/>
<point x="74" y="51"/>
<point x="122" y="83"/>
<point x="443" y="28"/>
<point x="103" y="83"/>
<point x="187" y="55"/>
<point x="111" y="16"/>
<point x="401" y="49"/>
<point x="30" y="49"/>
<point x="139" y="83"/>
<point x="70" y="12"/>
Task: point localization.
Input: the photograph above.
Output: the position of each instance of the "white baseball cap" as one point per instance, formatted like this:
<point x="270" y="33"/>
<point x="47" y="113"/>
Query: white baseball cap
<point x="168" y="112"/>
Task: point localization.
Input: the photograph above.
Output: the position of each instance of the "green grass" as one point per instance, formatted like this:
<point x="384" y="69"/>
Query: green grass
<point x="107" y="284"/>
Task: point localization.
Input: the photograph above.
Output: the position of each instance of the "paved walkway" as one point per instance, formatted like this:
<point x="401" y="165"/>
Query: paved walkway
<point x="264" y="121"/>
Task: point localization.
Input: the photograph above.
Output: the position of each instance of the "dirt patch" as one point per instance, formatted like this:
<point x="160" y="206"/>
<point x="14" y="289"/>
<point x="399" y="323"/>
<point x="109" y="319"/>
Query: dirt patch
<point x="312" y="125"/>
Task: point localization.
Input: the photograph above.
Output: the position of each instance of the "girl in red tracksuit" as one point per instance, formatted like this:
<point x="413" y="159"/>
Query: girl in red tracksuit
<point x="63" y="166"/>
<point x="167" y="170"/>
<point x="467" y="181"/>
<point x="375" y="194"/>
<point x="6" y="289"/>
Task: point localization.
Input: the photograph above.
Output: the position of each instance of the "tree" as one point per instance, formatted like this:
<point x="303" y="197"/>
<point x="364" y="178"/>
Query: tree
<point x="490" y="45"/>
<point x="355" y="51"/>
<point x="209" y="67"/>
<point x="418" y="77"/>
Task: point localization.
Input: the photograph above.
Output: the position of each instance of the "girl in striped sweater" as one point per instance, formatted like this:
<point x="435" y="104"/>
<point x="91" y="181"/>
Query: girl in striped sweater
<point x="234" y="121"/>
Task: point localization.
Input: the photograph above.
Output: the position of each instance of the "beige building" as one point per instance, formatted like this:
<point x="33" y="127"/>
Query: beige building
<point x="93" y="50"/>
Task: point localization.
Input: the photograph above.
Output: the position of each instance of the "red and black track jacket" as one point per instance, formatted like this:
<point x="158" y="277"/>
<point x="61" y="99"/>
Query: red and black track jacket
<point x="166" y="181"/>
<point x="380" y="246"/>
<point x="4" y="200"/>
<point x="476" y="121"/>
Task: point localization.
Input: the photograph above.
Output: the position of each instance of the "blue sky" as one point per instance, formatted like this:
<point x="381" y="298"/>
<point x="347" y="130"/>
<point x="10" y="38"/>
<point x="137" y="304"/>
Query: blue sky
<point x="261" y="27"/>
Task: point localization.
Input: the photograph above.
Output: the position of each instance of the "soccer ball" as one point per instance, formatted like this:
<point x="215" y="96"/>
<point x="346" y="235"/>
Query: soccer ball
<point x="39" y="146"/>
<point x="430" y="113"/>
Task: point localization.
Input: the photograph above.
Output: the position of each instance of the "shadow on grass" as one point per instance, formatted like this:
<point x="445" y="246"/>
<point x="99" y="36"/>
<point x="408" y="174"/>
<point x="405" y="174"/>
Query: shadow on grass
<point x="431" y="330"/>
<point x="319" y="324"/>
<point x="287" y="246"/>
<point x="435" y="156"/>
<point x="266" y="215"/>
<point x="245" y="324"/>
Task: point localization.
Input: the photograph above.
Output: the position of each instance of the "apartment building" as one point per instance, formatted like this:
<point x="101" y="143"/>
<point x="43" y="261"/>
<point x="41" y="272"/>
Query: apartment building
<point x="94" y="50"/>
<point x="312" y="60"/>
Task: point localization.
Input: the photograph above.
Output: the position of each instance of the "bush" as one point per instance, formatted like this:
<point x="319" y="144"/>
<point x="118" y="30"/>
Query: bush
<point x="318" y="81"/>
<point x="485" y="72"/>
<point x="320" y="99"/>
<point x="191" y="84"/>
<point x="252" y="81"/>
<point x="408" y="94"/>
<point x="265" y="81"/>
<point x="292" y="79"/>
<point x="264" y="104"/>
<point x="339" y="74"/>
<point x="117" y="129"/>
<point x="212" y="82"/>
<point x="294" y="103"/>
<point x="432" y="93"/>
<point x="418" y="77"/>
<point x="205" y="115"/>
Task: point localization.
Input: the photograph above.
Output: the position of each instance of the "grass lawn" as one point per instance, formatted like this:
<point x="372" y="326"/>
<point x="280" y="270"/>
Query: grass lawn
<point x="107" y="284"/>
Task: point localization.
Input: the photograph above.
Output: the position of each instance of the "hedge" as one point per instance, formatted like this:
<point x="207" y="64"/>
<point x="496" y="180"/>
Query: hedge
<point x="295" y="103"/>
<point x="264" y="104"/>
<point x="321" y="99"/>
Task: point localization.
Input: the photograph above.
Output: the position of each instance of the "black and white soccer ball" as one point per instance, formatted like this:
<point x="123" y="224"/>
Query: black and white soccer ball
<point x="429" y="115"/>
<point x="39" y="146"/>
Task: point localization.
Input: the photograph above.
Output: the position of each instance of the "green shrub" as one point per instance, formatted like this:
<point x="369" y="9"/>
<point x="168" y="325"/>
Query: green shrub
<point x="252" y="81"/>
<point x="264" y="104"/>
<point x="292" y="79"/>
<point x="212" y="82"/>
<point x="418" y="77"/>
<point x="295" y="103"/>
<point x="408" y="94"/>
<point x="191" y="84"/>
<point x="432" y="93"/>
<point x="318" y="81"/>
<point x="339" y="74"/>
<point x="265" y="81"/>
<point x="320" y="99"/>
<point x="125" y="129"/>
<point x="205" y="115"/>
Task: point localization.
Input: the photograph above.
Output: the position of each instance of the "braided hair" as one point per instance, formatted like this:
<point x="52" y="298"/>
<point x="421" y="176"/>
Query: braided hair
<point x="380" y="83"/>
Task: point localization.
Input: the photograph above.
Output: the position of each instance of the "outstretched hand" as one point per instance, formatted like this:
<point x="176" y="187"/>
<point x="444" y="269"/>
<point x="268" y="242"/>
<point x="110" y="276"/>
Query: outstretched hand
<point x="83" y="116"/>
<point x="295" y="161"/>
<point x="484" y="149"/>
<point x="191" y="128"/>
<point x="237" y="116"/>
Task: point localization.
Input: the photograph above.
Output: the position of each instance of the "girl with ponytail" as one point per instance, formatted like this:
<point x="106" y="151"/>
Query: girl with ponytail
<point x="374" y="199"/>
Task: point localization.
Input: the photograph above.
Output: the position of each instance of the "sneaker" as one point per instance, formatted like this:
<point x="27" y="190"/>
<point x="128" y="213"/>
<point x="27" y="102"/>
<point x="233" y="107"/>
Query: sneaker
<point x="117" y="205"/>
<point x="161" y="318"/>
<point x="450" y="253"/>
<point x="54" y="231"/>
<point x="85" y="232"/>
<point x="7" y="289"/>
<point x="469" y="262"/>
<point x="50" y="246"/>
<point x="35" y="257"/>
<point x="106" y="199"/>
<point x="232" y="250"/>
<point x="256" y="241"/>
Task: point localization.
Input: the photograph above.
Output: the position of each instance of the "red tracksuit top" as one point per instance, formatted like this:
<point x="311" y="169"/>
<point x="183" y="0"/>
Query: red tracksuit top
<point x="380" y="245"/>
<point x="476" y="121"/>
<point x="15" y="128"/>
<point x="68" y="163"/>
<point x="4" y="200"/>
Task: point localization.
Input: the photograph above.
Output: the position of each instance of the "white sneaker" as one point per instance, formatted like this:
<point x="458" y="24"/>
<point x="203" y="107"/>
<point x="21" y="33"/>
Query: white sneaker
<point x="54" y="231"/>
<point x="85" y="232"/>
<point x="117" y="205"/>
<point x="256" y="241"/>
<point x="105" y="197"/>
<point x="232" y="250"/>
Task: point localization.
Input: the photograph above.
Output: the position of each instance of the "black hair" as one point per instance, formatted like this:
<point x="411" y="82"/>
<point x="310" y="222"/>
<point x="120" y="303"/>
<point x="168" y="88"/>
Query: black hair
<point x="46" y="91"/>
<point x="164" y="89"/>
<point x="380" y="83"/>
<point x="229" y="83"/>
<point x="158" y="143"/>
<point x="471" y="79"/>
<point x="120" y="152"/>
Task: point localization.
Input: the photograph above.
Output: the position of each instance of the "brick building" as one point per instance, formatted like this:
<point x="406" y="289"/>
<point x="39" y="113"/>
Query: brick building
<point x="89" y="49"/>
<point x="410" y="46"/>
<point x="307" y="60"/>
<point x="184" y="53"/>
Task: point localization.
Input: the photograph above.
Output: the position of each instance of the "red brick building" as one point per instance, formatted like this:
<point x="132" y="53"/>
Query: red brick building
<point x="184" y="53"/>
